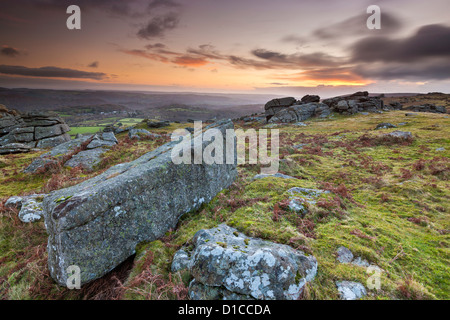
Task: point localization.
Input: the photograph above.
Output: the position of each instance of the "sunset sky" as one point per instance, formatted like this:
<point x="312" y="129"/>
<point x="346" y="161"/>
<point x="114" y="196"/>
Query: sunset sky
<point x="251" y="46"/>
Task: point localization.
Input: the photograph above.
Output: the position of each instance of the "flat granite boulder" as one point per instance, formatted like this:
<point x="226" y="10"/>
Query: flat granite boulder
<point x="227" y="264"/>
<point x="97" y="224"/>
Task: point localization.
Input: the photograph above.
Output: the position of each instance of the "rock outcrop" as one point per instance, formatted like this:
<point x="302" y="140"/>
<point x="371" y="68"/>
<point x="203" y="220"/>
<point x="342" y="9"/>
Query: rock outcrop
<point x="357" y="102"/>
<point x="33" y="130"/>
<point x="227" y="264"/>
<point x="97" y="224"/>
<point x="300" y="112"/>
<point x="291" y="110"/>
<point x="276" y="105"/>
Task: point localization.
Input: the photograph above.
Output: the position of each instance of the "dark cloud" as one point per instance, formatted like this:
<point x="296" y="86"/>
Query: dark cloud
<point x="297" y="60"/>
<point x="438" y="69"/>
<point x="9" y="51"/>
<point x="428" y="42"/>
<point x="93" y="64"/>
<point x="357" y="26"/>
<point x="50" y="72"/>
<point x="163" y="3"/>
<point x="158" y="26"/>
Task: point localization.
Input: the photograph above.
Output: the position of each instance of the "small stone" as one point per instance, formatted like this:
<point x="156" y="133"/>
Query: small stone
<point x="385" y="125"/>
<point x="360" y="262"/>
<point x="276" y="175"/>
<point x="344" y="255"/>
<point x="350" y="290"/>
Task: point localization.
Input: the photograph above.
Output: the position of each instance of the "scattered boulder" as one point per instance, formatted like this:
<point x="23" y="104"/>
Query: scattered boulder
<point x="157" y="124"/>
<point x="400" y="135"/>
<point x="134" y="134"/>
<point x="34" y="130"/>
<point x="344" y="255"/>
<point x="98" y="223"/>
<point x="30" y="207"/>
<point x="385" y="125"/>
<point x="427" y="108"/>
<point x="350" y="290"/>
<point x="357" y="102"/>
<point x="227" y="263"/>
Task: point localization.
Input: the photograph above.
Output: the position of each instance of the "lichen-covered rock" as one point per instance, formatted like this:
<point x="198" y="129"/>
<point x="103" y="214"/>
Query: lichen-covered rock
<point x="30" y="207"/>
<point x="224" y="260"/>
<point x="97" y="224"/>
<point x="350" y="290"/>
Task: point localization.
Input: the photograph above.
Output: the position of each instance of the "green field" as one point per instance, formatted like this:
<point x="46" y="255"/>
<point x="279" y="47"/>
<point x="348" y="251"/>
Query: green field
<point x="84" y="130"/>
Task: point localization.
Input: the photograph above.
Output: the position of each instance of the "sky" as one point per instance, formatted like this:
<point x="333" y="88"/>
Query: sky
<point x="245" y="46"/>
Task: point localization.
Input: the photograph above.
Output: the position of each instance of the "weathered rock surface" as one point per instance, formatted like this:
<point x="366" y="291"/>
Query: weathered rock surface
<point x="14" y="148"/>
<point x="97" y="224"/>
<point x="227" y="264"/>
<point x="357" y="102"/>
<point x="350" y="290"/>
<point x="84" y="151"/>
<point x="34" y="130"/>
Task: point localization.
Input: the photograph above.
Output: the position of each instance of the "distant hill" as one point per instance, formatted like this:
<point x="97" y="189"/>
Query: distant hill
<point x="71" y="101"/>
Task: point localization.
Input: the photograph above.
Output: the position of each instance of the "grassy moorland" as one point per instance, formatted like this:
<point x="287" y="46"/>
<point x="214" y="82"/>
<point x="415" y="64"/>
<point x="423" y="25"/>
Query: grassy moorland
<point x="389" y="203"/>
